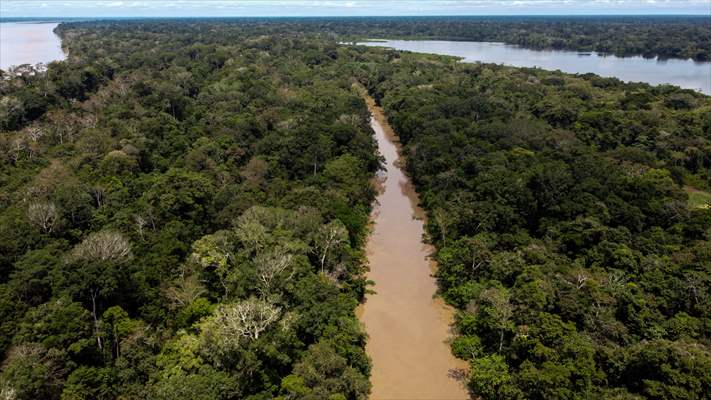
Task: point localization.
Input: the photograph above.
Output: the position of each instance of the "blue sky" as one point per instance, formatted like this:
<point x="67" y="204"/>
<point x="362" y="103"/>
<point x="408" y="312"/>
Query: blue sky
<point x="195" y="8"/>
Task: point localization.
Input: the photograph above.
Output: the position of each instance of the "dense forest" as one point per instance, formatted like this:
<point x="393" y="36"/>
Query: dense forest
<point x="184" y="206"/>
<point x="580" y="265"/>
<point x="183" y="213"/>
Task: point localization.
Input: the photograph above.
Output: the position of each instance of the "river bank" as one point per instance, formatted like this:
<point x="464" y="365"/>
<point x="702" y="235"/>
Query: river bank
<point x="408" y="326"/>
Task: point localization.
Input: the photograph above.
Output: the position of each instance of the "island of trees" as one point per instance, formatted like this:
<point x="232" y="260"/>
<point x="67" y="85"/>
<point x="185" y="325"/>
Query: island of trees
<point x="184" y="204"/>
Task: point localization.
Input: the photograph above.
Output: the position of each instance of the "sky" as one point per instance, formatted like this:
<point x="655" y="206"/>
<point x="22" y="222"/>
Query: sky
<point x="276" y="8"/>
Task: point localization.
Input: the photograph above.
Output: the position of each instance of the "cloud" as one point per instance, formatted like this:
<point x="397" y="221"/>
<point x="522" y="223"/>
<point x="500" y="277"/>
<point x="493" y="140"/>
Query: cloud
<point x="194" y="8"/>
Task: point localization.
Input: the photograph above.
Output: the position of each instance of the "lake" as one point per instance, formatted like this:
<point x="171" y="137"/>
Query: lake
<point x="683" y="73"/>
<point x="28" y="43"/>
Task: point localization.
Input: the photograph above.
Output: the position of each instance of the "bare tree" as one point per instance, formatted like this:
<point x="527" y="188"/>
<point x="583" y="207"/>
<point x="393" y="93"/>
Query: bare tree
<point x="98" y="193"/>
<point x="16" y="149"/>
<point x="186" y="290"/>
<point x="577" y="280"/>
<point x="103" y="246"/>
<point x="43" y="215"/>
<point x="328" y="238"/>
<point x="35" y="133"/>
<point x="247" y="319"/>
<point x="271" y="265"/>
<point x="695" y="285"/>
<point x="140" y="224"/>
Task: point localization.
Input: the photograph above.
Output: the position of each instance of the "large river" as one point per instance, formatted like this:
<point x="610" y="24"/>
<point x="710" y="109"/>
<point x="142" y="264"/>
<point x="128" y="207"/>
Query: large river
<point x="684" y="73"/>
<point x="28" y="43"/>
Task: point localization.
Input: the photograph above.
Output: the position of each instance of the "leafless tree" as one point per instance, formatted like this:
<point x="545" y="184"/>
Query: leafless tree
<point x="247" y="319"/>
<point x="271" y="265"/>
<point x="35" y="133"/>
<point x="43" y="215"/>
<point x="186" y="290"/>
<point x="577" y="280"/>
<point x="103" y="246"/>
<point x="140" y="224"/>
<point x="17" y="147"/>
<point x="695" y="285"/>
<point x="329" y="237"/>
<point x="98" y="193"/>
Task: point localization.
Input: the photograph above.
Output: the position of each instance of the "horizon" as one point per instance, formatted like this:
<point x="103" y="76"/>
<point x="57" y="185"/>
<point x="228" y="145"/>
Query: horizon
<point x="216" y="17"/>
<point x="45" y="9"/>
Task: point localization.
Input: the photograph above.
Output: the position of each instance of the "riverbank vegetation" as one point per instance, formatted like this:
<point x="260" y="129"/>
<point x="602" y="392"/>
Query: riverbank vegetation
<point x="564" y="235"/>
<point x="183" y="217"/>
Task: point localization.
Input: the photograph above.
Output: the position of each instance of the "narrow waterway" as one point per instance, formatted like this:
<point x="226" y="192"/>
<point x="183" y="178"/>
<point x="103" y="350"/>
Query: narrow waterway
<point x="408" y="327"/>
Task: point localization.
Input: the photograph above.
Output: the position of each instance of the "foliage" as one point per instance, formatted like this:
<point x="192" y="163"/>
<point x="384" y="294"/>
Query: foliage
<point x="183" y="214"/>
<point x="563" y="231"/>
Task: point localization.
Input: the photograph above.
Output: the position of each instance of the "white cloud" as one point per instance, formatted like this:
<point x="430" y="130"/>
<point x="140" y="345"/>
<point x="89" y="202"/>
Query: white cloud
<point x="194" y="8"/>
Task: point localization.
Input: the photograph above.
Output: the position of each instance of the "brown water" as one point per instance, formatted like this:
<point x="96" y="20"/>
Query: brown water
<point x="408" y="327"/>
<point x="28" y="43"/>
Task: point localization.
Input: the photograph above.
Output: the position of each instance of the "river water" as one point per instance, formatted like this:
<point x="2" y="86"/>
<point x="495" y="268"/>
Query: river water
<point x="28" y="43"/>
<point x="687" y="74"/>
<point x="407" y="325"/>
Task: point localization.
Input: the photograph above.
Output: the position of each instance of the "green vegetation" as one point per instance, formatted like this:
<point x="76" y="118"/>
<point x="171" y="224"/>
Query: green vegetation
<point x="183" y="214"/>
<point x="183" y="208"/>
<point x="562" y="229"/>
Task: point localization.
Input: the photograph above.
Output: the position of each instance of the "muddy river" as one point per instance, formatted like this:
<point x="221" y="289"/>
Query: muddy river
<point x="29" y="43"/>
<point x="408" y="326"/>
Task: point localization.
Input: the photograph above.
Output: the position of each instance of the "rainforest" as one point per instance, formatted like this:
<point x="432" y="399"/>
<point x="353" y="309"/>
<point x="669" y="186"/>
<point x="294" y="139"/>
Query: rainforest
<point x="187" y="209"/>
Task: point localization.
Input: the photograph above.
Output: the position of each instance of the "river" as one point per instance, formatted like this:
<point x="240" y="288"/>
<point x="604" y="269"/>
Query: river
<point x="28" y="43"/>
<point x="406" y="323"/>
<point x="687" y="74"/>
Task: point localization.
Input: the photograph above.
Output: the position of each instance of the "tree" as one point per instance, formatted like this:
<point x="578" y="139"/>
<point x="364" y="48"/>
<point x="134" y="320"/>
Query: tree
<point x="443" y="220"/>
<point x="244" y="320"/>
<point x="329" y="239"/>
<point x="271" y="265"/>
<point x="327" y="375"/>
<point x="495" y="312"/>
<point x="96" y="260"/>
<point x="215" y="253"/>
<point x="490" y="378"/>
<point x="43" y="215"/>
<point x="103" y="246"/>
